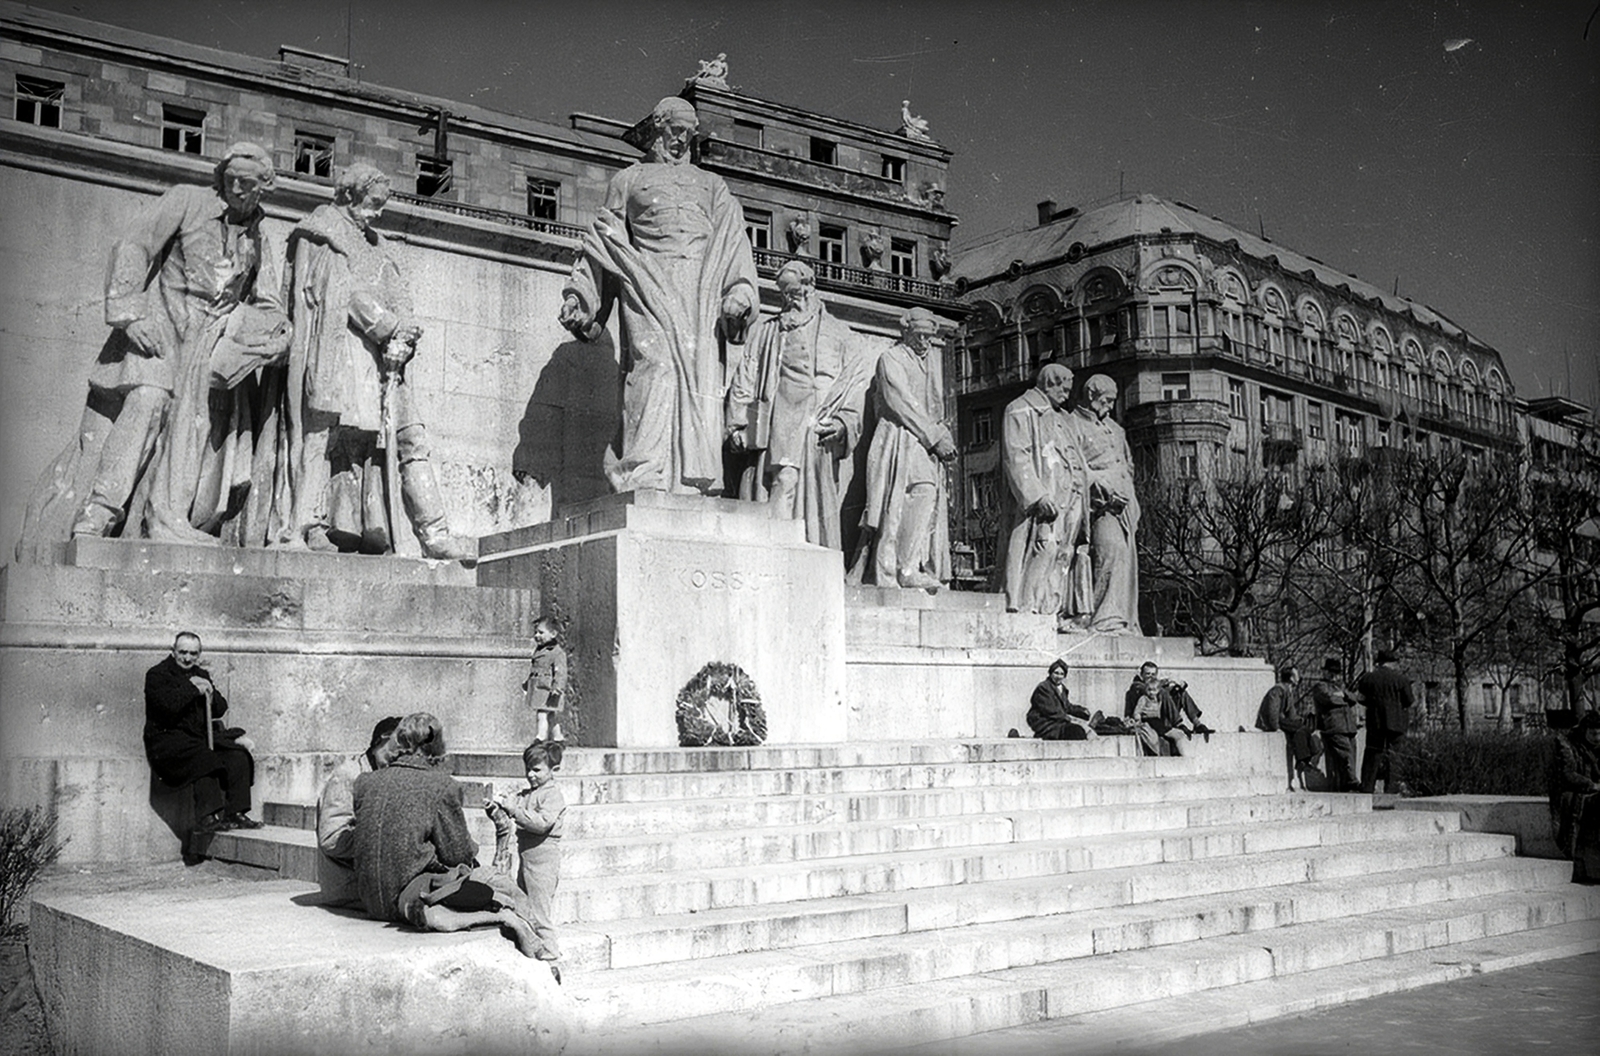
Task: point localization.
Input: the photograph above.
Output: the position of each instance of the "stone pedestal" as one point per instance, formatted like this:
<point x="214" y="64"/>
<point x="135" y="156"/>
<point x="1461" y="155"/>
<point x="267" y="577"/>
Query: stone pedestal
<point x="650" y="587"/>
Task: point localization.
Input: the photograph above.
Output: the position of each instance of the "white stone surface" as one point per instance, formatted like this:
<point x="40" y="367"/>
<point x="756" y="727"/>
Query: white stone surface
<point x="259" y="968"/>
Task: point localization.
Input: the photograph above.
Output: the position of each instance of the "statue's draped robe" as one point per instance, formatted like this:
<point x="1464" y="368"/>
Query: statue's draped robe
<point x="203" y="266"/>
<point x="795" y="374"/>
<point x="909" y="401"/>
<point x="1040" y="460"/>
<point x="668" y="244"/>
<point x="1114" y="520"/>
<point x="348" y="297"/>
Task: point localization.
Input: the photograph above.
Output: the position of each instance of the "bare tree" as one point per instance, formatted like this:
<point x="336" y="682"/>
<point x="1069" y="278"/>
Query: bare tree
<point x="1462" y="549"/>
<point x="1208" y="548"/>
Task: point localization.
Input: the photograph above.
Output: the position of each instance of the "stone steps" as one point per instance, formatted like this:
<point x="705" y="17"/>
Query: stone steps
<point x="1167" y="1019"/>
<point x="743" y="872"/>
<point x="899" y="1013"/>
<point x="665" y="938"/>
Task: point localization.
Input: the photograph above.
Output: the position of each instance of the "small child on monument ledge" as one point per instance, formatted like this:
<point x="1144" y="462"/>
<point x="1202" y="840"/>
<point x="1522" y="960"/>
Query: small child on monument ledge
<point x="545" y="688"/>
<point x="537" y="814"/>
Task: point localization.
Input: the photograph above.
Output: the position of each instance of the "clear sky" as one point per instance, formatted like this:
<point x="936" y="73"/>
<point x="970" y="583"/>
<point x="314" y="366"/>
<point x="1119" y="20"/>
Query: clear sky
<point x="1362" y="132"/>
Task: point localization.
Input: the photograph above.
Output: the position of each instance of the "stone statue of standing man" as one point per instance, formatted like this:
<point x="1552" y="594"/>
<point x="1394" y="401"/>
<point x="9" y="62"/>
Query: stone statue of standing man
<point x="906" y="494"/>
<point x="670" y="245"/>
<point x="1045" y="499"/>
<point x="1113" y="508"/>
<point x="797" y="397"/>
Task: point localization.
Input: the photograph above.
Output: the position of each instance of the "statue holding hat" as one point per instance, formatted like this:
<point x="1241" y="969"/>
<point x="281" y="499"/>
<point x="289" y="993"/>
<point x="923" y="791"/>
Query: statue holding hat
<point x="166" y="443"/>
<point x="669" y="247"/>
<point x="797" y="397"/>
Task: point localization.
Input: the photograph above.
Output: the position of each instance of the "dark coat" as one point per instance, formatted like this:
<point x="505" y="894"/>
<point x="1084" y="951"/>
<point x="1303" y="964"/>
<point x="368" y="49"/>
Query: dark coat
<point x="175" y="723"/>
<point x="1386" y="693"/>
<point x="1048" y="711"/>
<point x="408" y="822"/>
<point x="1277" y="711"/>
<point x="1336" y="713"/>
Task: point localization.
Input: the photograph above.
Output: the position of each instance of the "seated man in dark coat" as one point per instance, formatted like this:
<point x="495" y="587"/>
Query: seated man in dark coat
<point x="187" y="744"/>
<point x="1052" y="715"/>
<point x="416" y="860"/>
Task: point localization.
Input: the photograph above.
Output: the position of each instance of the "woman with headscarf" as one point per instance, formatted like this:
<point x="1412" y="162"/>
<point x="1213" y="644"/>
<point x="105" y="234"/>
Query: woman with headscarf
<point x="1575" y="797"/>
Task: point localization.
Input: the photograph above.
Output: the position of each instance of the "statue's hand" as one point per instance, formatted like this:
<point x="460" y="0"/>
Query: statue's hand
<point x="575" y="316"/>
<point x="144" y="337"/>
<point x="736" y="441"/>
<point x="944" y="450"/>
<point x="738" y="305"/>
<point x="1046" y="510"/>
<point x="830" y="431"/>
<point x="397" y="352"/>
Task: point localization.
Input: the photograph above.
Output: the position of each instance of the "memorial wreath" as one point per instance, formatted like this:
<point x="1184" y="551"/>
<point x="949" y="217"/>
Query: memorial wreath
<point x="720" y="705"/>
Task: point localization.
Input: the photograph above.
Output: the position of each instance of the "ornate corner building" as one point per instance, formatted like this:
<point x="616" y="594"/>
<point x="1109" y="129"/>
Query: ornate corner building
<point x="1218" y="340"/>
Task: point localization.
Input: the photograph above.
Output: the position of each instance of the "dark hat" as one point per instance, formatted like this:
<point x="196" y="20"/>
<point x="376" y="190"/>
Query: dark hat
<point x="1333" y="665"/>
<point x="1386" y="656"/>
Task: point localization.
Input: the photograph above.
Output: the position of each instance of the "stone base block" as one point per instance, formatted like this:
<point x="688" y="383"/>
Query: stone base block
<point x="259" y="968"/>
<point x="651" y="587"/>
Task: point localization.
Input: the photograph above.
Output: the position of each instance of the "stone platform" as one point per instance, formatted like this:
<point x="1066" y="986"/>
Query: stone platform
<point x="858" y="898"/>
<point x="260" y="968"/>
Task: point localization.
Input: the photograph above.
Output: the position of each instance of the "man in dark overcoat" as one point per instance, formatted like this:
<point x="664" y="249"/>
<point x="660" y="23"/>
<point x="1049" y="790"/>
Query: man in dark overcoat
<point x="1386" y="694"/>
<point x="187" y="745"/>
<point x="1336" y="719"/>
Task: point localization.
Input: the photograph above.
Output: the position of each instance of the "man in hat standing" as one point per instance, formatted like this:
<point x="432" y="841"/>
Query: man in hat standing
<point x="1336" y="718"/>
<point x="1386" y="694"/>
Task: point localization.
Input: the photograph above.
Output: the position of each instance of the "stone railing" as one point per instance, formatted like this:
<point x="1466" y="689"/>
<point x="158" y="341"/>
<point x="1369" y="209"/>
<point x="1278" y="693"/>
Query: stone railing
<point x="720" y="153"/>
<point x="493" y="216"/>
<point x="845" y="277"/>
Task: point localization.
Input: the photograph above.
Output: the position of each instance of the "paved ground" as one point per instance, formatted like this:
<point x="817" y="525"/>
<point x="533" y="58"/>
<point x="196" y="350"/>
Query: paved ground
<point x="1548" y="1008"/>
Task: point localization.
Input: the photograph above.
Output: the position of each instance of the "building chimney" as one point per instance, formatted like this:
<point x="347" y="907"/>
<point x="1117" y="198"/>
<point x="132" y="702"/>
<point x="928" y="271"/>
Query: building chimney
<point x="1047" y="209"/>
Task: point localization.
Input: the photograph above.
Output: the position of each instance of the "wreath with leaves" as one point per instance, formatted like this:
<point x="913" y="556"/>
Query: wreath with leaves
<point x="720" y="705"/>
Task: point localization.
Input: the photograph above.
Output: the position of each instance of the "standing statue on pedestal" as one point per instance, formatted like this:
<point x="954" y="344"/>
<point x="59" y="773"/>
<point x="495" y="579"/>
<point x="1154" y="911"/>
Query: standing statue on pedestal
<point x="670" y="245"/>
<point x="355" y="449"/>
<point x="1113" y="508"/>
<point x="1044" y="504"/>
<point x="797" y="396"/>
<point x="166" y="440"/>
<point x="906" y="495"/>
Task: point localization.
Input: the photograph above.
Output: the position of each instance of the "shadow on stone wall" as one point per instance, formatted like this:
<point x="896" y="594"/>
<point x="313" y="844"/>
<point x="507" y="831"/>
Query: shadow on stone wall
<point x="571" y="418"/>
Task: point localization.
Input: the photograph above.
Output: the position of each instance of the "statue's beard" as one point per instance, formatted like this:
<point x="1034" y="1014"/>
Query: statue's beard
<point x="798" y="315"/>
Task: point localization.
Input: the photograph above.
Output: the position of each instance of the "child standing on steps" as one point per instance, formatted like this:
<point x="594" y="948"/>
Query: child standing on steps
<point x="536" y="813"/>
<point x="545" y="688"/>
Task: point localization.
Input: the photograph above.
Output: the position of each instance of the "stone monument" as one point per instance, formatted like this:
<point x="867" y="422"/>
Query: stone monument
<point x="797" y="398"/>
<point x="356" y="465"/>
<point x="1044" y="505"/>
<point x="1113" y="508"/>
<point x="906" y="492"/>
<point x="669" y="245"/>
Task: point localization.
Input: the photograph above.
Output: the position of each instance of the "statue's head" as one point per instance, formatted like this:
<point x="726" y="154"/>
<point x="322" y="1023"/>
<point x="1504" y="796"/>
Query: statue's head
<point x="674" y="123"/>
<point x="242" y="175"/>
<point x="918" y="327"/>
<point x="362" y="191"/>
<point x="797" y="285"/>
<point x="1055" y="381"/>
<point x="1100" y="393"/>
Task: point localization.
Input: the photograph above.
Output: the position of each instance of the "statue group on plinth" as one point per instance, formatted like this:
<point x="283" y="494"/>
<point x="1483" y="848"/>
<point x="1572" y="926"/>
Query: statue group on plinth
<point x="1070" y="508"/>
<point x="242" y="400"/>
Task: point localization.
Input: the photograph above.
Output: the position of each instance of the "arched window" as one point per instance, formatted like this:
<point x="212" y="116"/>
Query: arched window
<point x="1234" y="325"/>
<point x="1277" y="311"/>
<point x="1313" y="325"/>
<point x="1383" y="363"/>
<point x="1169" y="322"/>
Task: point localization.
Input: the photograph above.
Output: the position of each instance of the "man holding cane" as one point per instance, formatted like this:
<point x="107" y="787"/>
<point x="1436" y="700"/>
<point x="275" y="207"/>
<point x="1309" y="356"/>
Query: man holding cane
<point x="187" y="745"/>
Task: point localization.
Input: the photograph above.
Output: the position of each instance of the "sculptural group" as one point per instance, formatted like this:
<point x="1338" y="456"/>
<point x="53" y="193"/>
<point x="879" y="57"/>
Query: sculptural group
<point x="260" y="399"/>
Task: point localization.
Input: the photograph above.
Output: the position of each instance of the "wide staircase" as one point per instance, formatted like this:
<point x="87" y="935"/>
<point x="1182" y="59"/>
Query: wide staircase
<point x="867" y="897"/>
